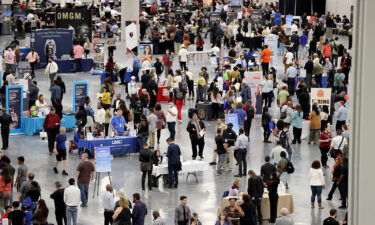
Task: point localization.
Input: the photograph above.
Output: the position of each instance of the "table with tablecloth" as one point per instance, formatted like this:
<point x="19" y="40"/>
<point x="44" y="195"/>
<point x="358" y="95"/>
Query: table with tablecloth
<point x="68" y="65"/>
<point x="305" y="129"/>
<point x="285" y="201"/>
<point x="24" y="52"/>
<point x="33" y="125"/>
<point x="163" y="94"/>
<point x="118" y="145"/>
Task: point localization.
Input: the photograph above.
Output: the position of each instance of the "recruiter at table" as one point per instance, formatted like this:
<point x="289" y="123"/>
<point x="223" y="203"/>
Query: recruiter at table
<point x="119" y="124"/>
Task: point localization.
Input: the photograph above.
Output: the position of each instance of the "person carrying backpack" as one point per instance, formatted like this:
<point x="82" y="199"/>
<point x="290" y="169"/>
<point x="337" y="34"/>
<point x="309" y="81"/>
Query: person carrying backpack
<point x="281" y="169"/>
<point x="284" y="138"/>
<point x="250" y="113"/>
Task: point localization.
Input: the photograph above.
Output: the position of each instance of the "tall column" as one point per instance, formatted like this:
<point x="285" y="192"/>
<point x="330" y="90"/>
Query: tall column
<point x="362" y="152"/>
<point x="129" y="12"/>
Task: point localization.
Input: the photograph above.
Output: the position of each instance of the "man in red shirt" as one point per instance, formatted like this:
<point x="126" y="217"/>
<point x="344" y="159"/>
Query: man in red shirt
<point x="265" y="60"/>
<point x="167" y="61"/>
<point x="51" y="126"/>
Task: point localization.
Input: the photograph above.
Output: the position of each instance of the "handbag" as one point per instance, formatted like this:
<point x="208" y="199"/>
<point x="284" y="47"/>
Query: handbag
<point x="336" y="152"/>
<point x="145" y="166"/>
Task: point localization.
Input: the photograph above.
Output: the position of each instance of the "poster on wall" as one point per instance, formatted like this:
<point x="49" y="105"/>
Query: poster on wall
<point x="322" y="96"/>
<point x="103" y="159"/>
<point x="272" y="42"/>
<point x="80" y="91"/>
<point x="233" y="119"/>
<point x="131" y="36"/>
<point x="51" y="43"/>
<point x="253" y="79"/>
<point x="14" y="107"/>
<point x="80" y="19"/>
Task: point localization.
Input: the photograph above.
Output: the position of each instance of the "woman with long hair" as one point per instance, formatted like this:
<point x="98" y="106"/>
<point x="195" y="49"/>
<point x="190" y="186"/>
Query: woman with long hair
<point x="41" y="214"/>
<point x="325" y="139"/>
<point x="142" y="131"/>
<point x="58" y="107"/>
<point x="315" y="124"/>
<point x="161" y="123"/>
<point x="297" y="116"/>
<point x="234" y="190"/>
<point x="32" y="58"/>
<point x="336" y="173"/>
<point x="5" y="188"/>
<point x="122" y="214"/>
<point x="317" y="183"/>
<point x="272" y="187"/>
<point x="61" y="84"/>
<point x="215" y="97"/>
<point x="222" y="219"/>
<point x="266" y="119"/>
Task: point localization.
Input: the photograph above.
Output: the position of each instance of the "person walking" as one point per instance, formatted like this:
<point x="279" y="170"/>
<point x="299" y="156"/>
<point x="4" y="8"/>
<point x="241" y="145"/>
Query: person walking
<point x="152" y="126"/>
<point x="342" y="183"/>
<point x="145" y="157"/>
<point x="297" y="116"/>
<point x="336" y="174"/>
<point x="139" y="210"/>
<point x="171" y="119"/>
<point x="60" y="151"/>
<point x="51" y="70"/>
<point x="72" y="197"/>
<point x="51" y="126"/>
<point x="221" y="150"/>
<point x="317" y="183"/>
<point x="85" y="174"/>
<point x="341" y="115"/>
<point x="179" y="96"/>
<point x="111" y="43"/>
<point x="230" y="137"/>
<point x="5" y="121"/>
<point x="161" y="122"/>
<point x="325" y="139"/>
<point x="22" y="172"/>
<point x="108" y="203"/>
<point x="174" y="163"/>
<point x="60" y="207"/>
<point x="196" y="129"/>
<point x="272" y="187"/>
<point x="255" y="190"/>
<point x="240" y="151"/>
<point x="5" y="188"/>
<point x="167" y="61"/>
<point x="315" y="124"/>
<point x="265" y="59"/>
<point x="182" y="215"/>
<point x="32" y="58"/>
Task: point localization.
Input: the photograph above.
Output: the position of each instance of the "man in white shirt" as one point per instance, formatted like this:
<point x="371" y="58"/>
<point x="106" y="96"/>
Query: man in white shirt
<point x="132" y="91"/>
<point x="100" y="116"/>
<point x="294" y="27"/>
<point x="72" y="198"/>
<point x="171" y="120"/>
<point x="339" y="141"/>
<point x="275" y="153"/>
<point x="183" y="57"/>
<point x="108" y="204"/>
<point x="291" y="74"/>
<point x="51" y="71"/>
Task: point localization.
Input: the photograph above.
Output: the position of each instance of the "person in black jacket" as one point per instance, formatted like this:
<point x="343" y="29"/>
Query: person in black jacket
<point x="153" y="90"/>
<point x="145" y="157"/>
<point x="267" y="169"/>
<point x="5" y="121"/>
<point x="81" y="116"/>
<point x="272" y="186"/>
<point x="255" y="190"/>
<point x="61" y="84"/>
<point x="304" y="101"/>
<point x="249" y="210"/>
<point x="196" y="131"/>
<point x="309" y="67"/>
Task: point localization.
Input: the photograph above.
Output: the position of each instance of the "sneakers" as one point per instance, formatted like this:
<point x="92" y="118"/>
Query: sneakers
<point x="219" y="173"/>
<point x="212" y="163"/>
<point x="64" y="173"/>
<point x="55" y="170"/>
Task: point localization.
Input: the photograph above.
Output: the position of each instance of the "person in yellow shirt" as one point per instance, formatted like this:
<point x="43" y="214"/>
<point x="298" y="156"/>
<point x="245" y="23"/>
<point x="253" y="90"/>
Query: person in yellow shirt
<point x="201" y="87"/>
<point x="234" y="74"/>
<point x="106" y="98"/>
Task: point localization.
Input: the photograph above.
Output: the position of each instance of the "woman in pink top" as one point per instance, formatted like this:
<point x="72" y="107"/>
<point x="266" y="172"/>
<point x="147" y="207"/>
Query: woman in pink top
<point x="33" y="59"/>
<point x="78" y="51"/>
<point x="5" y="188"/>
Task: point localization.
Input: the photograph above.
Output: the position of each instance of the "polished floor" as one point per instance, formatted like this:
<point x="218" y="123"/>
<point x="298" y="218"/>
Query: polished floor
<point x="203" y="197"/>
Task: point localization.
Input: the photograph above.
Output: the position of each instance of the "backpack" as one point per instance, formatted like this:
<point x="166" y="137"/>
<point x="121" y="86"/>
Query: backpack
<point x="250" y="112"/>
<point x="282" y="114"/>
<point x="284" y="139"/>
<point x="289" y="167"/>
<point x="184" y="82"/>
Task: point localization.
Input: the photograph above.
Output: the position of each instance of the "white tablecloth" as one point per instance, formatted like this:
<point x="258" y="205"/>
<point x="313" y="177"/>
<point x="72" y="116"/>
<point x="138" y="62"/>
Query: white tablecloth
<point x="305" y="129"/>
<point x="187" y="167"/>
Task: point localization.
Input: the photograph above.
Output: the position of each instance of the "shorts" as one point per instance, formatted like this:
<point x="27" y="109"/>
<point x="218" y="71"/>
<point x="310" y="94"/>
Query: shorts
<point x="61" y="155"/>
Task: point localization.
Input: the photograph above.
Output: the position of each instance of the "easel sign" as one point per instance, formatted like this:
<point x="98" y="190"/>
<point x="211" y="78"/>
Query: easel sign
<point x="102" y="165"/>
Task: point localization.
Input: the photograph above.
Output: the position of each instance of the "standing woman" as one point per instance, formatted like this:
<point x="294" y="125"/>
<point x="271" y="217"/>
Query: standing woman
<point x="199" y="46"/>
<point x="266" y="119"/>
<point x="216" y="102"/>
<point x="122" y="214"/>
<point x="258" y="100"/>
<point x="273" y="196"/>
<point x="33" y="59"/>
<point x="145" y="157"/>
<point x="111" y="43"/>
<point x="61" y="84"/>
<point x="160" y="124"/>
<point x="297" y="116"/>
<point x="179" y="96"/>
<point x="267" y="90"/>
<point x="315" y="124"/>
<point x="317" y="183"/>
<point x="169" y="83"/>
<point x="336" y="173"/>
<point x="325" y="139"/>
<point x="87" y="47"/>
<point x="5" y="188"/>
<point x="41" y="214"/>
<point x="142" y="131"/>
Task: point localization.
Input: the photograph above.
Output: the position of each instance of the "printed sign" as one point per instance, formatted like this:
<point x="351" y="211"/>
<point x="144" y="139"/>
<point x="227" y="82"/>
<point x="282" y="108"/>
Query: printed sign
<point x="272" y="42"/>
<point x="232" y="118"/>
<point x="14" y="107"/>
<point x="80" y="19"/>
<point x="131" y="36"/>
<point x="103" y="159"/>
<point x="80" y="91"/>
<point x="322" y="96"/>
<point x="253" y="80"/>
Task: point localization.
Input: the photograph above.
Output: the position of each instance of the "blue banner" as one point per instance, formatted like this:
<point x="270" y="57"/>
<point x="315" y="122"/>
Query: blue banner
<point x="233" y="119"/>
<point x="288" y="21"/>
<point x="14" y="107"/>
<point x="103" y="159"/>
<point x="80" y="91"/>
<point x="272" y="42"/>
<point x="51" y="43"/>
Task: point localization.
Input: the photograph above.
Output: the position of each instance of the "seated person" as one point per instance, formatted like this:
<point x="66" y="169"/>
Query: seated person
<point x="234" y="190"/>
<point x="157" y="158"/>
<point x="98" y="133"/>
<point x="80" y="134"/>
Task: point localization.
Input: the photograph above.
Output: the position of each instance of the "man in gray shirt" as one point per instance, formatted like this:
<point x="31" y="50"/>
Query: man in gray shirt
<point x="182" y="213"/>
<point x="26" y="186"/>
<point x="240" y="152"/>
<point x="284" y="219"/>
<point x="21" y="172"/>
<point x="152" y="120"/>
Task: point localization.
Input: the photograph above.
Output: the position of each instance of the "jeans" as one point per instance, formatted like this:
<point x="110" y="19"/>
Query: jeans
<point x="266" y="132"/>
<point x="297" y="135"/>
<point x="60" y="217"/>
<point x="220" y="162"/>
<point x="84" y="188"/>
<point x="241" y="158"/>
<point x="200" y="93"/>
<point x="148" y="173"/>
<point x="71" y="215"/>
<point x="172" y="129"/>
<point x="135" y="73"/>
<point x="200" y="143"/>
<point x="108" y="217"/>
<point x="303" y="53"/>
<point x="282" y="48"/>
<point x="247" y="127"/>
<point x="284" y="178"/>
<point x="257" y="202"/>
<point x="316" y="191"/>
<point x="172" y="175"/>
<point x="32" y="65"/>
<point x="267" y="99"/>
<point x="142" y="139"/>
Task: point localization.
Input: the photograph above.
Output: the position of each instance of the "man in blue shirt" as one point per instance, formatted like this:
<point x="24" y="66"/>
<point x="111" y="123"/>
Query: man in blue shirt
<point x="291" y="73"/>
<point x="139" y="210"/>
<point x="303" y="42"/>
<point x="173" y="154"/>
<point x="241" y="115"/>
<point x="118" y="123"/>
<point x="136" y="65"/>
<point x="60" y="150"/>
<point x="341" y="115"/>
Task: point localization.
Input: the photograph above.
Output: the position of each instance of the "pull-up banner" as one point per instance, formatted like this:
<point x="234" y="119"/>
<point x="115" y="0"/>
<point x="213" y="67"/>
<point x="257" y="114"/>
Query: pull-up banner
<point x="14" y="107"/>
<point x="80" y="91"/>
<point x="80" y="19"/>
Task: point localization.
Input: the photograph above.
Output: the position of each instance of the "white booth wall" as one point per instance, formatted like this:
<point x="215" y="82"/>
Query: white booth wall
<point x="341" y="7"/>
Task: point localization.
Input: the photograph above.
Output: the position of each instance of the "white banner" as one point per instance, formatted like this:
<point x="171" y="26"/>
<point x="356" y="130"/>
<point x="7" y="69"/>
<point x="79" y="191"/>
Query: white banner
<point x="322" y="96"/>
<point x="131" y="35"/>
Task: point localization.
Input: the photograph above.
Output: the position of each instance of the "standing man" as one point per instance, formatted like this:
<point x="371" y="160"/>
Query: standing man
<point x="230" y="137"/>
<point x="196" y="131"/>
<point x="221" y="150"/>
<point x="303" y="42"/>
<point x="139" y="210"/>
<point x="78" y="51"/>
<point x="309" y="67"/>
<point x="33" y="93"/>
<point x="136" y="66"/>
<point x="60" y="207"/>
<point x="85" y="174"/>
<point x="132" y="91"/>
<point x="5" y="121"/>
<point x="267" y="169"/>
<point x="118" y="123"/>
<point x="241" y="145"/>
<point x="255" y="189"/>
<point x="341" y="115"/>
<point x="265" y="60"/>
<point x="108" y="202"/>
<point x="152" y="119"/>
<point x="72" y="197"/>
<point x="21" y="172"/>
<point x="291" y="73"/>
<point x="16" y="216"/>
<point x="55" y="92"/>
<point x="182" y="213"/>
<point x="60" y="150"/>
<point x="342" y="183"/>
<point x="167" y="61"/>
<point x="171" y="119"/>
<point x="183" y="57"/>
<point x="51" y="126"/>
<point x="117" y="102"/>
<point x="153" y="90"/>
<point x="173" y="154"/>
<point x="51" y="70"/>
<point x="295" y="40"/>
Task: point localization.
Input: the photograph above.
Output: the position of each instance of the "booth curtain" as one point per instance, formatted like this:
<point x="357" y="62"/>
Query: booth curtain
<point x="302" y="6"/>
